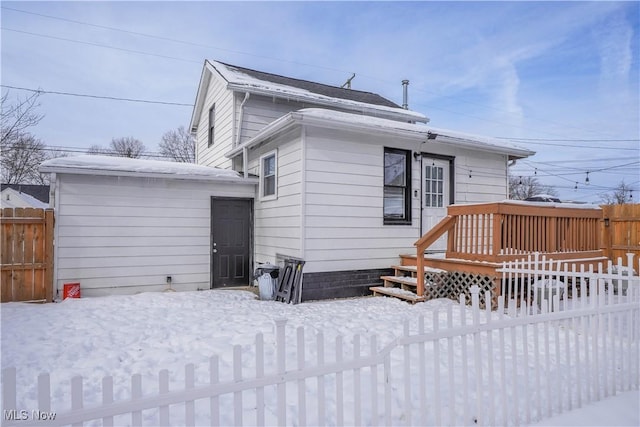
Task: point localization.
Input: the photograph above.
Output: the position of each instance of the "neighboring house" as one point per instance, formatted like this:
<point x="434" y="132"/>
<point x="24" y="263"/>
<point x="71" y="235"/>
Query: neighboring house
<point x="24" y="196"/>
<point x="343" y="179"/>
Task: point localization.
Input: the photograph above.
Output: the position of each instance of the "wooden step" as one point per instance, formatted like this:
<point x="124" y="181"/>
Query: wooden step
<point x="404" y="281"/>
<point x="397" y="293"/>
<point x="413" y="269"/>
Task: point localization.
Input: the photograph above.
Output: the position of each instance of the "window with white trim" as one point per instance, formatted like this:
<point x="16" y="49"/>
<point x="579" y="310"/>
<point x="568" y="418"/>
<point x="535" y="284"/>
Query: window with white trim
<point x="268" y="180"/>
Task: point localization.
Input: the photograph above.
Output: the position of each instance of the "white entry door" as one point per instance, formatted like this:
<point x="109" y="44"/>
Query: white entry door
<point x="435" y="197"/>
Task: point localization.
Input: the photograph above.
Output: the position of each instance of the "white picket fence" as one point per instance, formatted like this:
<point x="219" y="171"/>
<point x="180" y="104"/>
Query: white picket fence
<point x="539" y="284"/>
<point x="461" y="366"/>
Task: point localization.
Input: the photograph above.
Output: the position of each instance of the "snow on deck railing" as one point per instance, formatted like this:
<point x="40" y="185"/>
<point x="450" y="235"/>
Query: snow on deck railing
<point x="457" y="366"/>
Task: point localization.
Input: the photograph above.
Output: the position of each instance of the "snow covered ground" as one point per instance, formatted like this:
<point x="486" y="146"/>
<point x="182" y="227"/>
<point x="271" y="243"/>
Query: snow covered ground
<point x="126" y="335"/>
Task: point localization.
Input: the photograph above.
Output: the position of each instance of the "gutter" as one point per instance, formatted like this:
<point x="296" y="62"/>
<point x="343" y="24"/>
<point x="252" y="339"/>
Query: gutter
<point x="101" y="172"/>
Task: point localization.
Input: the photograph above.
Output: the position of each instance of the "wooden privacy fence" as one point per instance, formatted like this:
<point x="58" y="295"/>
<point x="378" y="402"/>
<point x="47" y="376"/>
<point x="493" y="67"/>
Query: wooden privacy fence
<point x="454" y="366"/>
<point x="27" y="254"/>
<point x="621" y="230"/>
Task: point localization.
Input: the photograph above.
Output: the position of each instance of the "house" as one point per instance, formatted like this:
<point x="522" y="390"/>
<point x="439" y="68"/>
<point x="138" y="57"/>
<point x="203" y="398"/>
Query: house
<point x="286" y="168"/>
<point x="24" y="196"/>
<point x="348" y="180"/>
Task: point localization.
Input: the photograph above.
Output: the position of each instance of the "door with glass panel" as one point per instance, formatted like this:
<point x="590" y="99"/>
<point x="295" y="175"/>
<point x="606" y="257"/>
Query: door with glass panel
<point x="435" y="197"/>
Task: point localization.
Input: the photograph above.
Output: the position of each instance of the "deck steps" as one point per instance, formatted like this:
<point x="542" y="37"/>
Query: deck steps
<point x="396" y="293"/>
<point x="413" y="270"/>
<point x="404" y="282"/>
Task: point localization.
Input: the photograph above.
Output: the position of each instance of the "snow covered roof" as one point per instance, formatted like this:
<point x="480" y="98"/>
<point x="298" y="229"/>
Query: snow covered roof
<point x="12" y="198"/>
<point x="40" y="192"/>
<point x="123" y="166"/>
<point x="274" y="85"/>
<point x="420" y="132"/>
<point x="246" y="77"/>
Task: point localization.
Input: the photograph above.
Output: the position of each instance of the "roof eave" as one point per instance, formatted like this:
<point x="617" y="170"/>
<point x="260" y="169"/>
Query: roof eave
<point x="293" y="118"/>
<point x="514" y="153"/>
<point x="111" y="172"/>
<point x="201" y="95"/>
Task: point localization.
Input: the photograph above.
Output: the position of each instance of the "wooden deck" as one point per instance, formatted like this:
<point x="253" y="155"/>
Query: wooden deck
<point x="480" y="237"/>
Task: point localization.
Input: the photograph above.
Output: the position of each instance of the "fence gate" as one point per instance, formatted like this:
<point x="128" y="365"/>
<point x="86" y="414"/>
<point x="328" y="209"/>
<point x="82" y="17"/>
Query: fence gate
<point x="26" y="256"/>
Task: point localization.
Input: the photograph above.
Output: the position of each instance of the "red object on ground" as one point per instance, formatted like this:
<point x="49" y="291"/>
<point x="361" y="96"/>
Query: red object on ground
<point x="71" y="290"/>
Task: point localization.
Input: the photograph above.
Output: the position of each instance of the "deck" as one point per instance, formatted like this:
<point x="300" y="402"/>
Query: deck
<point x="480" y="237"/>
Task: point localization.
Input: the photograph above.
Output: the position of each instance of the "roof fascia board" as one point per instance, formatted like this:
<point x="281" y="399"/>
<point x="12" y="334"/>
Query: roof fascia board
<point x="205" y="78"/>
<point x="285" y="122"/>
<point x="102" y="172"/>
<point x="480" y="146"/>
<point x="293" y="118"/>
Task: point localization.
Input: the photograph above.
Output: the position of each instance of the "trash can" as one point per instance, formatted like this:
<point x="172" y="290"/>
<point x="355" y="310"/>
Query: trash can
<point x="267" y="277"/>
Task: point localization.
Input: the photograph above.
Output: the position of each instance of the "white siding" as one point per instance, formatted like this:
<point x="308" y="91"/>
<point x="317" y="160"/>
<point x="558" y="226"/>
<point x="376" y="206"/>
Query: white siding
<point x="277" y="225"/>
<point x="214" y="156"/>
<point x="344" y="196"/>
<point x="343" y="225"/>
<point x="259" y="111"/>
<point x="130" y="233"/>
<point x="488" y="181"/>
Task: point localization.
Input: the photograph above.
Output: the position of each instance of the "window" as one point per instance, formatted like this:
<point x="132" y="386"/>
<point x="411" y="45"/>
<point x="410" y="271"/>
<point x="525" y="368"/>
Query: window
<point x="268" y="181"/>
<point x="397" y="186"/>
<point x="212" y="124"/>
<point x="433" y="186"/>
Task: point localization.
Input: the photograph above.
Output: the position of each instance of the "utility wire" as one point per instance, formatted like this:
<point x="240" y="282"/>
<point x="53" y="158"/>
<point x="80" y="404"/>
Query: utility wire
<point x="567" y="140"/>
<point x="184" y="42"/>
<point x="138" y="52"/>
<point x="84" y="95"/>
<point x="260" y="56"/>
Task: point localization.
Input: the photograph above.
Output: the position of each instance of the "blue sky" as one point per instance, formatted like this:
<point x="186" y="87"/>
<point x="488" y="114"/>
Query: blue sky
<point x="561" y="78"/>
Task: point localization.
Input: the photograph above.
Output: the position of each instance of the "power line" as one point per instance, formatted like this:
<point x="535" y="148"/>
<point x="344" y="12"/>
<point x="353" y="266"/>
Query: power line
<point x="138" y="52"/>
<point x="185" y="42"/>
<point x="568" y="140"/>
<point x="595" y="147"/>
<point x="84" y="95"/>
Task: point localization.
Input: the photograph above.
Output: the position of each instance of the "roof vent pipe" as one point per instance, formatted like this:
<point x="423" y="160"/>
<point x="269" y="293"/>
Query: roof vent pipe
<point x="405" y="95"/>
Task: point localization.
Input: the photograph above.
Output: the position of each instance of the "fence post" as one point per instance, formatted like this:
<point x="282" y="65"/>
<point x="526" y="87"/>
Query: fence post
<point x="49" y="222"/>
<point x="281" y="359"/>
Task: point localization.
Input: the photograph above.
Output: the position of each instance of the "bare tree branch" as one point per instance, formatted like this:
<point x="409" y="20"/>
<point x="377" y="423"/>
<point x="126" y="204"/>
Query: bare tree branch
<point x="178" y="145"/>
<point x="21" y="158"/>
<point x="22" y="152"/>
<point x="16" y="118"/>
<point x="622" y="194"/>
<point x="521" y="188"/>
<point x="121" y="147"/>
